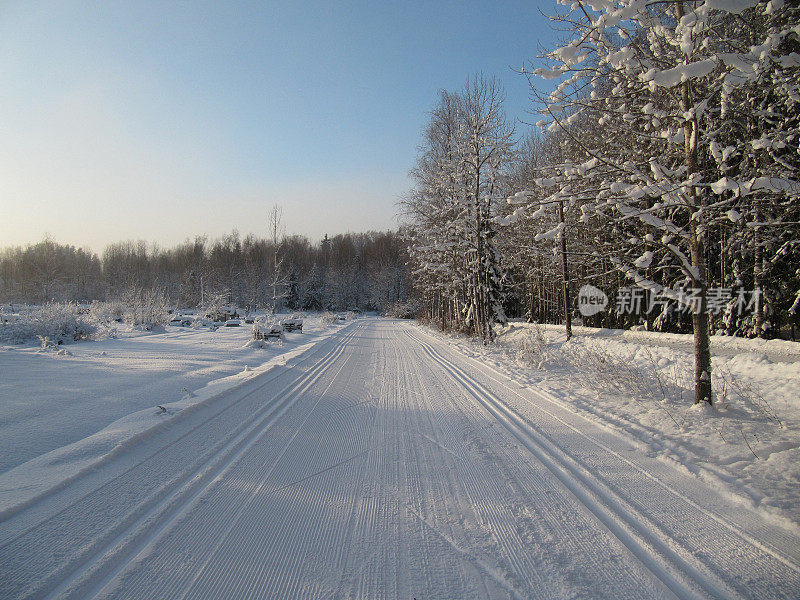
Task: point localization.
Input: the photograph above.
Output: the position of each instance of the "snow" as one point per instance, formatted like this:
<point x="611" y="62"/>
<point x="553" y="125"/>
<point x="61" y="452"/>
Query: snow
<point x="731" y="6"/>
<point x="551" y="234"/>
<point x="64" y="412"/>
<point x="570" y="54"/>
<point x="723" y="185"/>
<point x="644" y="260"/>
<point x="549" y="74"/>
<point x="733" y="215"/>
<point x="736" y="446"/>
<point x="775" y="184"/>
<point x="674" y="76"/>
<point x="386" y="461"/>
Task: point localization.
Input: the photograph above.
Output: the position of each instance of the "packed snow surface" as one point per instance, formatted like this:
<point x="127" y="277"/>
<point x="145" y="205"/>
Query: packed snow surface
<point x="384" y="462"/>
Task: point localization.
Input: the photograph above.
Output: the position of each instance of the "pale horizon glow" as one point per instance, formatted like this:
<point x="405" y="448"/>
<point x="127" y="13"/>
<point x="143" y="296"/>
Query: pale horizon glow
<point x="165" y="122"/>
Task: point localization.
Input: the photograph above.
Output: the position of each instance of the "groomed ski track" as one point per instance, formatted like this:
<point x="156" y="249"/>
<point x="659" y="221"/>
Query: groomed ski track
<point x="384" y="464"/>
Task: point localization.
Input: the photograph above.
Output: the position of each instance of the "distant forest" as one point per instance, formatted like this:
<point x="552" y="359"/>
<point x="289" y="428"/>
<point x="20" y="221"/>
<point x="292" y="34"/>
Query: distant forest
<point x="353" y="270"/>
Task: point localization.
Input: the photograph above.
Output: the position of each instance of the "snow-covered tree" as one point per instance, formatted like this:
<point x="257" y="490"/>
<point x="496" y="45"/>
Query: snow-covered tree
<point x="661" y="80"/>
<point x="277" y="275"/>
<point x="460" y="180"/>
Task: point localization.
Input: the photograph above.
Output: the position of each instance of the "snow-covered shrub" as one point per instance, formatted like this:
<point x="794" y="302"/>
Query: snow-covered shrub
<point x="731" y="390"/>
<point x="106" y="316"/>
<point x="599" y="368"/>
<point x="16" y="330"/>
<point x="145" y="308"/>
<point x="46" y="343"/>
<point x="6" y="312"/>
<point x="216" y="306"/>
<point x="7" y="315"/>
<point x="533" y="347"/>
<point x="140" y="307"/>
<point x="54" y="321"/>
<point x="328" y="318"/>
<point x="201" y="322"/>
<point x="108" y="312"/>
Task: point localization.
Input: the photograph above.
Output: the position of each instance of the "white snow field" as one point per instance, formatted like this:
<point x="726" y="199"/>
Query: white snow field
<point x="383" y="463"/>
<point x="51" y="399"/>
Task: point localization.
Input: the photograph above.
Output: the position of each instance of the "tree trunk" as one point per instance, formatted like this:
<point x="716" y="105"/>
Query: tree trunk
<point x="700" y="328"/>
<point x="531" y="301"/>
<point x="758" y="273"/>
<point x="702" y="344"/>
<point x="565" y="272"/>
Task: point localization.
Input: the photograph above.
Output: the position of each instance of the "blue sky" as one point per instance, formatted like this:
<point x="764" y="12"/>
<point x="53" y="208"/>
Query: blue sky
<point x="161" y="121"/>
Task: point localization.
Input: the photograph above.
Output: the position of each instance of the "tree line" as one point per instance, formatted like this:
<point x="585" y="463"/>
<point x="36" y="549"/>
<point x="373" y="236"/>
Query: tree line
<point x="665" y="172"/>
<point x="352" y="270"/>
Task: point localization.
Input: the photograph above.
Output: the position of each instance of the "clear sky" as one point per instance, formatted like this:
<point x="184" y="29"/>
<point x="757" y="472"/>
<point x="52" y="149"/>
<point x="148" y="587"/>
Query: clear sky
<point x="165" y="120"/>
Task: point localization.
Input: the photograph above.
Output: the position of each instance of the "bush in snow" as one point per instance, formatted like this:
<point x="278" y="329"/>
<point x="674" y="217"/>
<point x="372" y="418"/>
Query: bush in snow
<point x="328" y="318"/>
<point x="599" y="368"/>
<point x="201" y="322"/>
<point x="402" y="310"/>
<point x="532" y="348"/>
<point x="217" y="306"/>
<point x="108" y="312"/>
<point x="54" y="321"/>
<point x="145" y="307"/>
<point x="659" y="386"/>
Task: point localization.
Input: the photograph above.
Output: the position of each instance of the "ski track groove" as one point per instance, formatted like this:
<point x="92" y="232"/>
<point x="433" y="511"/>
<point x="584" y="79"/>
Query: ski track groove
<point x="7" y="538"/>
<point x="497" y="518"/>
<point x="789" y="555"/>
<point x="500" y="522"/>
<point x="219" y="505"/>
<point x="252" y="500"/>
<point x="672" y="584"/>
<point x="791" y="559"/>
<point x="673" y="521"/>
<point x="436" y="436"/>
<point x="20" y="570"/>
<point x="391" y="466"/>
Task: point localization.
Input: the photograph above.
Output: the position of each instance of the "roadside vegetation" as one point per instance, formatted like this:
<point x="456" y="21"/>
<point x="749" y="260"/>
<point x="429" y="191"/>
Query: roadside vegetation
<point x="664" y="172"/>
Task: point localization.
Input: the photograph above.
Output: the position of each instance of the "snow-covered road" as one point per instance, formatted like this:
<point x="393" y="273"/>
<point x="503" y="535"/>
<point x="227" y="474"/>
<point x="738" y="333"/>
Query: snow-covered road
<point x="386" y="465"/>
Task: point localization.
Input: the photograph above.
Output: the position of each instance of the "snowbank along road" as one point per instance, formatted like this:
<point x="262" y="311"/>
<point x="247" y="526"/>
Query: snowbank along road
<point x="383" y="464"/>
